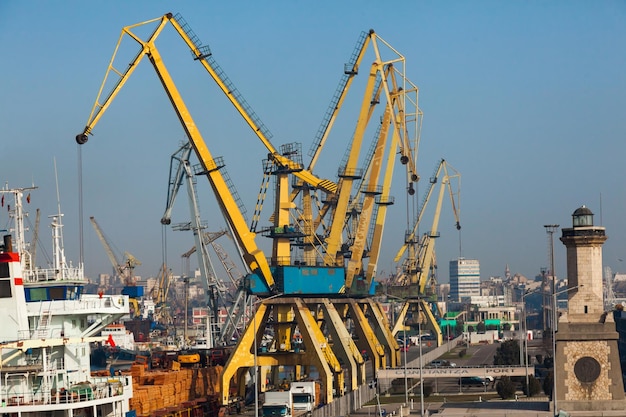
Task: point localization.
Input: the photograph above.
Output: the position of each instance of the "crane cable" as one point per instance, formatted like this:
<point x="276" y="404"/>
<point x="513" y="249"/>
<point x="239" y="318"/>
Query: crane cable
<point x="81" y="244"/>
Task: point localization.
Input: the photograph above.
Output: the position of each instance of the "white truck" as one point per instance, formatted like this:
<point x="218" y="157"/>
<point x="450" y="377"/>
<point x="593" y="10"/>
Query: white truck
<point x="305" y="396"/>
<point x="277" y="404"/>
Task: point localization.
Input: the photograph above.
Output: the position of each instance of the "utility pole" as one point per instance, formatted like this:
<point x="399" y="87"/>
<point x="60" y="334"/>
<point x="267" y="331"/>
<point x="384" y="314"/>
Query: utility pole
<point x="544" y="298"/>
<point x="550" y="229"/>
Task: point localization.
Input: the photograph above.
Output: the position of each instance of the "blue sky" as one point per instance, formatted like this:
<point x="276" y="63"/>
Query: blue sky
<point x="525" y="99"/>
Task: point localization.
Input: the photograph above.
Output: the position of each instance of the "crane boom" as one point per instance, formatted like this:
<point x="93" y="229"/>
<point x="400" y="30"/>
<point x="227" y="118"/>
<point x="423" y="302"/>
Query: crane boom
<point x="117" y="266"/>
<point x="176" y="179"/>
<point x="419" y="268"/>
<point x="350" y="172"/>
<point x="123" y="269"/>
<point x="433" y="182"/>
<point x="253" y="256"/>
<point x="330" y="247"/>
<point x="205" y="57"/>
<point x="350" y="71"/>
<point x="381" y="75"/>
<point x="358" y="247"/>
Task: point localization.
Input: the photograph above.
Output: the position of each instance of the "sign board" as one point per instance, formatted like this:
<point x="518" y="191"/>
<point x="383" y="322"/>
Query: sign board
<point x="453" y="372"/>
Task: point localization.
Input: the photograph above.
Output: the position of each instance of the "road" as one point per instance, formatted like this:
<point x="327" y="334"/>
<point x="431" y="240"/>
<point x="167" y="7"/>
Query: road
<point x="476" y="355"/>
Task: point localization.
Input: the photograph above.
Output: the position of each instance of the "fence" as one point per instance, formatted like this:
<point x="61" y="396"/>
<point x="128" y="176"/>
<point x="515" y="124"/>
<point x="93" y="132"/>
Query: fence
<point x="354" y="400"/>
<point x="343" y="406"/>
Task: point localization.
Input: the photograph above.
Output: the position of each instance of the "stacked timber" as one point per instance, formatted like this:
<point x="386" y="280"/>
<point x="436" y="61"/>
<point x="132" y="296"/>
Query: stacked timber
<point x="158" y="390"/>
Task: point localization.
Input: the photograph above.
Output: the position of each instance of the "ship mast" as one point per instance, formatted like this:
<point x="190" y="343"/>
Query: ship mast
<point x="18" y="230"/>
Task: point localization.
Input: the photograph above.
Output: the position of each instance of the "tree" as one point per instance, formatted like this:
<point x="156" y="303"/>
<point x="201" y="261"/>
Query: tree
<point x="460" y="324"/>
<point x="507" y="353"/>
<point x="533" y="388"/>
<point x="548" y="384"/>
<point x="480" y="327"/>
<point x="506" y="326"/>
<point x="428" y="389"/>
<point x="505" y="388"/>
<point x="470" y="328"/>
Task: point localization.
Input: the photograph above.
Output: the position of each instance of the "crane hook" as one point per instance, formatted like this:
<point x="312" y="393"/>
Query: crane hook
<point x="81" y="138"/>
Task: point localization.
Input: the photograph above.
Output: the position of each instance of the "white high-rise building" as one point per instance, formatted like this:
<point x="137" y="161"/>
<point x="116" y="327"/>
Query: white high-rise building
<point x="464" y="278"/>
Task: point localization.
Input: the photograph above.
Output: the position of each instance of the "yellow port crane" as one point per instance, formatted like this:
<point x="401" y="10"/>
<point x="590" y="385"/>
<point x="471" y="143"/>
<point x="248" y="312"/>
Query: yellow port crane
<point x="418" y="267"/>
<point x="289" y="311"/>
<point x="160" y="295"/>
<point x="246" y="239"/>
<point x="125" y="271"/>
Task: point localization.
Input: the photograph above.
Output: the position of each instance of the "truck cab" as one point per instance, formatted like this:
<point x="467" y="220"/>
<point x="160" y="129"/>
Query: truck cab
<point x="305" y="396"/>
<point x="278" y="404"/>
<point x="276" y="410"/>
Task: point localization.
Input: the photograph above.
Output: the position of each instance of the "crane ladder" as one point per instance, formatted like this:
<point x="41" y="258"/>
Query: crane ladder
<point x="350" y="70"/>
<point x="219" y="164"/>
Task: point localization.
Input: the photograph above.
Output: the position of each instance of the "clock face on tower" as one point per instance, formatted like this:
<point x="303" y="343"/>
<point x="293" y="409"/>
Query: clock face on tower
<point x="587" y="369"/>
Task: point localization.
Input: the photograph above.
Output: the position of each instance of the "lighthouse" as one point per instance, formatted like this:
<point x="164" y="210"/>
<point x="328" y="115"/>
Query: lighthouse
<point x="587" y="367"/>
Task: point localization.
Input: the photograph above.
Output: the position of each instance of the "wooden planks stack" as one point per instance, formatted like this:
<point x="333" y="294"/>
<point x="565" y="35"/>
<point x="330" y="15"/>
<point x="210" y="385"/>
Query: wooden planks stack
<point x="154" y="390"/>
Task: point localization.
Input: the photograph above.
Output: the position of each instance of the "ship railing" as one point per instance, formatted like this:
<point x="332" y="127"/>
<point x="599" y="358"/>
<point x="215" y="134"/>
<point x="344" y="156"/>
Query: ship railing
<point x="51" y="274"/>
<point x="100" y="388"/>
<point x="88" y="302"/>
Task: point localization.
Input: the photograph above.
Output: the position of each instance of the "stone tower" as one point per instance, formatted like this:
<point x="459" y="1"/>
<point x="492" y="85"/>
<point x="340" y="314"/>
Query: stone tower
<point x="588" y="371"/>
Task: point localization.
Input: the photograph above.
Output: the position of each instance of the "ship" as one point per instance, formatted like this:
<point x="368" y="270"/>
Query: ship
<point x="45" y="342"/>
<point x="118" y="350"/>
<point x="49" y="324"/>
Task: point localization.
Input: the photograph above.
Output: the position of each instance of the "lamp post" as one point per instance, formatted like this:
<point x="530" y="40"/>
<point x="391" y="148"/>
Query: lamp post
<point x="525" y="341"/>
<point x="554" y="325"/>
<point x="419" y="329"/>
<point x="550" y="229"/>
<point x="419" y="332"/>
<point x="406" y="381"/>
<point x="255" y="380"/>
<point x="524" y="331"/>
<point x="404" y="348"/>
<point x="186" y="281"/>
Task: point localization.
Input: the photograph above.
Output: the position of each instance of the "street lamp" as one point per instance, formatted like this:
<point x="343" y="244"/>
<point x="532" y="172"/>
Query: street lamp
<point x="550" y="229"/>
<point x="419" y="332"/>
<point x="554" y="325"/>
<point x="419" y="329"/>
<point x="525" y="342"/>
<point x="404" y="348"/>
<point x="255" y="380"/>
<point x="524" y="332"/>
<point x="406" y="381"/>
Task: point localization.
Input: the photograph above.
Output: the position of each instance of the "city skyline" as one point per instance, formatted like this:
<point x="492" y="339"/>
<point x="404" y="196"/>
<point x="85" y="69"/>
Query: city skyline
<point x="521" y="98"/>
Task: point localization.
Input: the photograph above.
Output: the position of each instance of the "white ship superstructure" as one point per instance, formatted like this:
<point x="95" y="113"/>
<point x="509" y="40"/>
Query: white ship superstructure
<point x="121" y="337"/>
<point x="48" y="323"/>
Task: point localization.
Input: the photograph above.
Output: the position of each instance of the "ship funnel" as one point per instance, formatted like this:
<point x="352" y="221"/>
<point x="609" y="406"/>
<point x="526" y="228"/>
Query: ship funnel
<point x="8" y="244"/>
